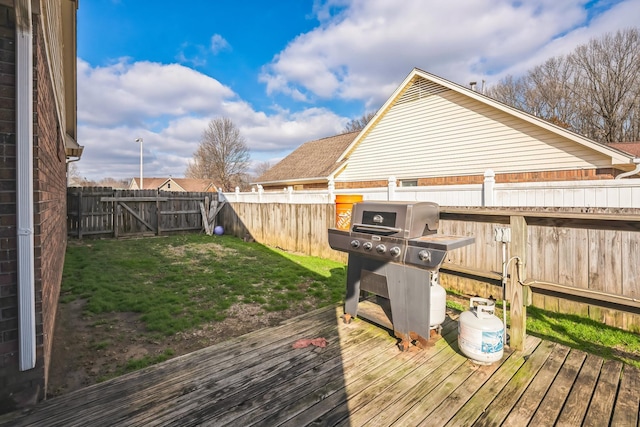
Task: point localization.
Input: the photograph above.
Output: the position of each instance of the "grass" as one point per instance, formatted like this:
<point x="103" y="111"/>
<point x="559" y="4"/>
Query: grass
<point x="585" y="334"/>
<point x="181" y="282"/>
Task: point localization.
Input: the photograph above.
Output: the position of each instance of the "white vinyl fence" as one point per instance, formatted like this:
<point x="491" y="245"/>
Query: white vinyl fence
<point x="611" y="193"/>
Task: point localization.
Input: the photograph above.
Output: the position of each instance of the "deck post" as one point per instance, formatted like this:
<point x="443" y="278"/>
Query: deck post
<point x="517" y="297"/>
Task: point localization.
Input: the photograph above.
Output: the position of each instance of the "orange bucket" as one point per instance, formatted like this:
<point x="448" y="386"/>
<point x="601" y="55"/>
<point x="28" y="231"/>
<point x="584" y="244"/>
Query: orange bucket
<point x="344" y="205"/>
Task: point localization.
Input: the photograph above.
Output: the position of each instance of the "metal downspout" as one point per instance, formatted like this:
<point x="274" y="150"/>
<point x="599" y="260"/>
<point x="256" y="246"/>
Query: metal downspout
<point x="633" y="172"/>
<point x="24" y="185"/>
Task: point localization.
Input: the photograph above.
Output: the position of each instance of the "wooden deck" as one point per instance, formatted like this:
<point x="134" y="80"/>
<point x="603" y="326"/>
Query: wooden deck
<point x="359" y="379"/>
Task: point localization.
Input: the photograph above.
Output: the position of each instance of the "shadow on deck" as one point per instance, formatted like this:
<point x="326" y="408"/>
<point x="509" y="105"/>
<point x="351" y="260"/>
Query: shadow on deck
<point x="360" y="378"/>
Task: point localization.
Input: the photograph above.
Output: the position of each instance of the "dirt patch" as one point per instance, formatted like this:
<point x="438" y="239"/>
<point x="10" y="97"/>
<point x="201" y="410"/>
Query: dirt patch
<point x="88" y="350"/>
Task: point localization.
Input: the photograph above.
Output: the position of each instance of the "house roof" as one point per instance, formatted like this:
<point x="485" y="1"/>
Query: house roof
<point x="312" y="161"/>
<point x="186" y="184"/>
<point x="149" y="183"/>
<point x="193" y="184"/>
<point x="617" y="157"/>
<point x="628" y="147"/>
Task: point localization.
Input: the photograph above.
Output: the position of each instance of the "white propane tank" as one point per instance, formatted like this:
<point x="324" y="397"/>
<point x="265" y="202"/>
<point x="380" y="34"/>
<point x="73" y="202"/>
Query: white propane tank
<point x="480" y="332"/>
<point x="438" y="311"/>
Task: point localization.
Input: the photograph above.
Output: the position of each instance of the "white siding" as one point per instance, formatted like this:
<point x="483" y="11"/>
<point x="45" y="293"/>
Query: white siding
<point x="449" y="134"/>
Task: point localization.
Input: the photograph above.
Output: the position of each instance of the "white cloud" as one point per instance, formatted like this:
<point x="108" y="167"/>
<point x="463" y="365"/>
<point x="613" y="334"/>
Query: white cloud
<point x="358" y="54"/>
<point x="130" y="93"/>
<point x="364" y="48"/>
<point x="218" y="44"/>
<point x="169" y="106"/>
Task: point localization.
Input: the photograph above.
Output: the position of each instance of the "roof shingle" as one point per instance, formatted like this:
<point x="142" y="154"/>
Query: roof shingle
<point x="314" y="159"/>
<point x="628" y="147"/>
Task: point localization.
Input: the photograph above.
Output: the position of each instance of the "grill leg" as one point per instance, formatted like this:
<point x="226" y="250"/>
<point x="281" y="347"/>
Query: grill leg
<point x="410" y="297"/>
<point x="354" y="269"/>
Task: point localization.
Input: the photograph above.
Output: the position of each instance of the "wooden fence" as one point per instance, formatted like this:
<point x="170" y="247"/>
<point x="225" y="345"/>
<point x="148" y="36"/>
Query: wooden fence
<point x="598" y="251"/>
<point x="105" y="212"/>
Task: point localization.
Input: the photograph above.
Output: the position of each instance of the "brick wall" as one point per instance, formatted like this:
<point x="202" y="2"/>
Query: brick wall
<point x="20" y="388"/>
<point x="50" y="202"/>
<point x="542" y="176"/>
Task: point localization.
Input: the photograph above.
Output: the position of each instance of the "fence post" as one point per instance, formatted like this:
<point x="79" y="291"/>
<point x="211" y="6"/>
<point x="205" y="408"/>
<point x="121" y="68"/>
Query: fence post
<point x="80" y="214"/>
<point x="331" y="187"/>
<point x="391" y="188"/>
<point x="517" y="293"/>
<point x="260" y="191"/>
<point x="158" y="214"/>
<point x="116" y="219"/>
<point x="488" y="188"/>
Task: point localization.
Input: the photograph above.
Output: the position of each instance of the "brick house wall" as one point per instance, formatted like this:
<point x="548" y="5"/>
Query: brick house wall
<point x="50" y="201"/>
<point x="541" y="176"/>
<point x="20" y="388"/>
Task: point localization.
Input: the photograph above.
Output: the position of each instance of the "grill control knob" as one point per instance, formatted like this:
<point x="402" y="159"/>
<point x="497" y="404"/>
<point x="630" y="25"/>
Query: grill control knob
<point x="355" y="244"/>
<point x="424" y="255"/>
<point x="381" y="248"/>
<point x="367" y="245"/>
<point x="394" y="251"/>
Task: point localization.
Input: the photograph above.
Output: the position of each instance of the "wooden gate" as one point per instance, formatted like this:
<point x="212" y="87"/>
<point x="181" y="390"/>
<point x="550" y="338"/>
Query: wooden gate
<point x="100" y="211"/>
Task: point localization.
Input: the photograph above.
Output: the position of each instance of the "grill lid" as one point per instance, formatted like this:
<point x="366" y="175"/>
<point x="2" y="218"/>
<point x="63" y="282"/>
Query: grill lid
<point x="405" y="220"/>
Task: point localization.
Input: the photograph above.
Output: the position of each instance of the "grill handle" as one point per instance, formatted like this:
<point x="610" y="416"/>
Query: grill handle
<point x="378" y="229"/>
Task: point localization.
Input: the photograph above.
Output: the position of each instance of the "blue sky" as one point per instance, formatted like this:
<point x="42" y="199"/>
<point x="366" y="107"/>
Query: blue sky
<point x="290" y="71"/>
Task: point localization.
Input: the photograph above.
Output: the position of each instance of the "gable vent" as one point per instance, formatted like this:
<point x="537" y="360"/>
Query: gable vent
<point x="421" y="88"/>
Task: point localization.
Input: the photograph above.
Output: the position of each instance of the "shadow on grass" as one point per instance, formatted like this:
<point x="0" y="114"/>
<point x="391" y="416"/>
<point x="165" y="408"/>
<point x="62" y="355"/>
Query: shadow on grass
<point x="585" y="334"/>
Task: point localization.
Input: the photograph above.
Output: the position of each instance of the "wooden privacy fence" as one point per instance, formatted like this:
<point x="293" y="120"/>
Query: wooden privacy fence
<point x="598" y="252"/>
<point x="106" y="212"/>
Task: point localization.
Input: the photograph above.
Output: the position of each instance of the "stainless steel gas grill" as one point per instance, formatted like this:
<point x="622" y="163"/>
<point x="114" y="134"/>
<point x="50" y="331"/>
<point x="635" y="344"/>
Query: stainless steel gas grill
<point x="390" y="245"/>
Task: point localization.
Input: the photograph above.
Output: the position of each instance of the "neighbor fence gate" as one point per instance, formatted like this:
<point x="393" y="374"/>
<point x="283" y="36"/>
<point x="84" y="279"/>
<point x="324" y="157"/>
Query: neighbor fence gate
<point x="107" y="212"/>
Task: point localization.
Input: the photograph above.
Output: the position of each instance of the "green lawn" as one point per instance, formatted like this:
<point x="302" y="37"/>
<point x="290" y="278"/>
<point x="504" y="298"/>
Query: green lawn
<point x="181" y="282"/>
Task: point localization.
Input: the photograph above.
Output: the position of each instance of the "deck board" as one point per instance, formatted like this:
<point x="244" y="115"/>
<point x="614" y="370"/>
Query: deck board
<point x="499" y="409"/>
<point x="604" y="397"/>
<point x="626" y="407"/>
<point x="360" y="378"/>
<point x="548" y="410"/>
<point x="575" y="408"/>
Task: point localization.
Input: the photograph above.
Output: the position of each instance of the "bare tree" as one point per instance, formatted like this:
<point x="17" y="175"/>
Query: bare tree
<point x="608" y="83"/>
<point x="261" y="168"/>
<point x="73" y="176"/>
<point x="511" y="91"/>
<point x="359" y="123"/>
<point x="113" y="183"/>
<point x="222" y="155"/>
<point x="550" y="93"/>
<point x="594" y="91"/>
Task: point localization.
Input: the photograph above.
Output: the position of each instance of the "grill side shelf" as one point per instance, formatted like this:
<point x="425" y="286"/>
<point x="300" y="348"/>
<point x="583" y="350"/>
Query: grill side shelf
<point x="441" y="242"/>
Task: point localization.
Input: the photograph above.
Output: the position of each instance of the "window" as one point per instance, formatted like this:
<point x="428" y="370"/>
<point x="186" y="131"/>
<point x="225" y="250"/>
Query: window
<point x="408" y="183"/>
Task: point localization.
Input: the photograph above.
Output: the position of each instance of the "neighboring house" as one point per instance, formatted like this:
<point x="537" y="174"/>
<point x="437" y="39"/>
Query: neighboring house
<point x="37" y="139"/>
<point x="435" y="132"/>
<point x="310" y="166"/>
<point x="632" y="148"/>
<point x="174" y="184"/>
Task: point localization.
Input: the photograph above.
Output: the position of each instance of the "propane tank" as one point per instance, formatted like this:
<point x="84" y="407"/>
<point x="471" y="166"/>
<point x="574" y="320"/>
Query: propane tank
<point x="438" y="306"/>
<point x="480" y="332"/>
